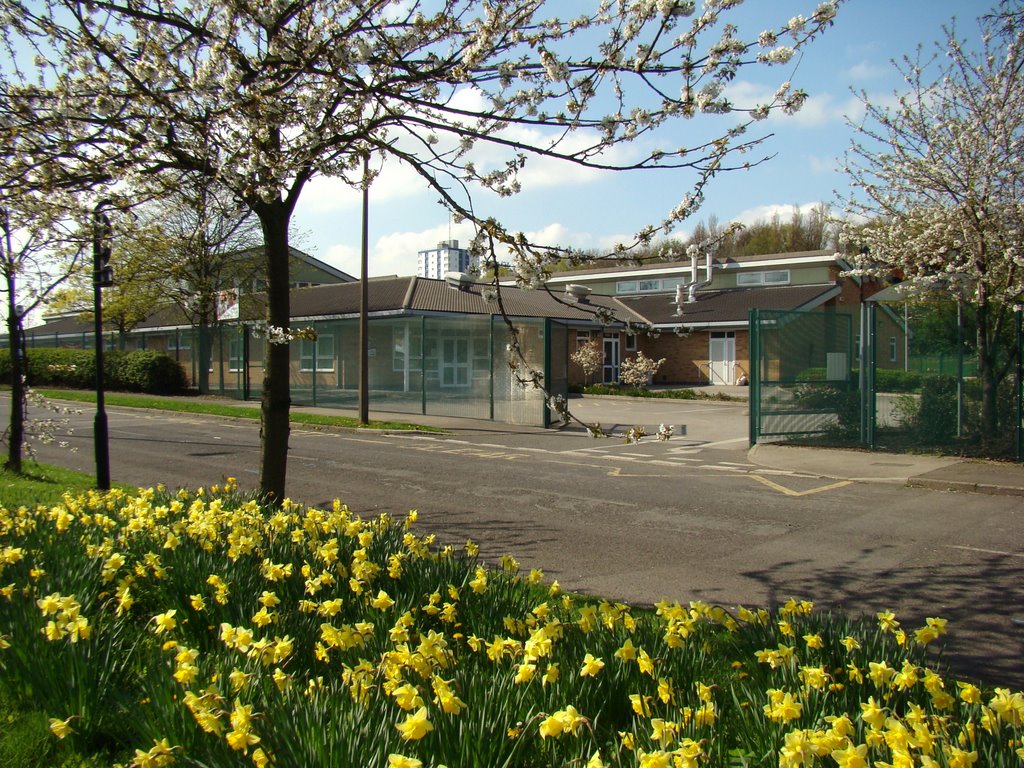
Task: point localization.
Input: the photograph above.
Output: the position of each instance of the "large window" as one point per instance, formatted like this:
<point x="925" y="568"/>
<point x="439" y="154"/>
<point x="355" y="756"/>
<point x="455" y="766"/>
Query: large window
<point x="456" y="362"/>
<point x="320" y="351"/>
<point x="772" y="277"/>
<point x="652" y="285"/>
<point x="406" y="343"/>
<point x="235" y="357"/>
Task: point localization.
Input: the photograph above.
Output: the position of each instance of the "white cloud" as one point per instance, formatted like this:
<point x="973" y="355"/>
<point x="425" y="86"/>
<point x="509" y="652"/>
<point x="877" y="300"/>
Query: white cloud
<point x="867" y="70"/>
<point x="819" y="109"/>
<point x="824" y="164"/>
<point x="767" y="212"/>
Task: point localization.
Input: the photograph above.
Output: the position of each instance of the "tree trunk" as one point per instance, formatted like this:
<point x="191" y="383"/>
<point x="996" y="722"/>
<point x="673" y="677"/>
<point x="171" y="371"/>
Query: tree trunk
<point x="16" y="430"/>
<point x="205" y="355"/>
<point x="274" y="428"/>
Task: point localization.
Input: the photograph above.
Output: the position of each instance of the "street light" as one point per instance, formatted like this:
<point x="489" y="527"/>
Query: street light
<point x="102" y="277"/>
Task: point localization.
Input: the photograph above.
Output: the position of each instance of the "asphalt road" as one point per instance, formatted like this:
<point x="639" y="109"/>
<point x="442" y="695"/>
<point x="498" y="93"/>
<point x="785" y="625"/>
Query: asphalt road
<point x="685" y="519"/>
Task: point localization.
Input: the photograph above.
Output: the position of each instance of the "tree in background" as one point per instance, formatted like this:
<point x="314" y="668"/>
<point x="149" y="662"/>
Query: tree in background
<point x="44" y="235"/>
<point x="589" y="357"/>
<point x="939" y="179"/>
<point x="263" y="97"/>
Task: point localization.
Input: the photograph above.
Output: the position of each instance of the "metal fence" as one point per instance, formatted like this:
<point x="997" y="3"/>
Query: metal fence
<point x="833" y="378"/>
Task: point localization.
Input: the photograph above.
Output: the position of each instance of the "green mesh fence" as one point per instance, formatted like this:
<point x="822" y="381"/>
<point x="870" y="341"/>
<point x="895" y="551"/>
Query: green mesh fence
<point x="808" y="383"/>
<point x="803" y="380"/>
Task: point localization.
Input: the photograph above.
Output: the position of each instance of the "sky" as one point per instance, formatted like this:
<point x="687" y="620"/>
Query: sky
<point x="584" y="209"/>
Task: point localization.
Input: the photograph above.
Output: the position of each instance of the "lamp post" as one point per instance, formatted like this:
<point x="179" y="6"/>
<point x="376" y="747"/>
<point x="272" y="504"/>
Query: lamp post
<point x="102" y="277"/>
<point x="364" y="326"/>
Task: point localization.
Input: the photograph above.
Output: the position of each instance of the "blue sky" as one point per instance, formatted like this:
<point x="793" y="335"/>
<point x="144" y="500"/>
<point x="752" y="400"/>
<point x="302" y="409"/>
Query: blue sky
<point x="561" y="206"/>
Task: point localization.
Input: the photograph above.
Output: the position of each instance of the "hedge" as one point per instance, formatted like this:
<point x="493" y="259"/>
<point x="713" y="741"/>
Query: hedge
<point x="139" y="371"/>
<point x="886" y="379"/>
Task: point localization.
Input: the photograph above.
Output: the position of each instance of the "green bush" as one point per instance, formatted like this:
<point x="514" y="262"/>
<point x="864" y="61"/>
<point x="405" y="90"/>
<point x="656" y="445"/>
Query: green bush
<point x="145" y="371"/>
<point x="139" y="371"/>
<point x="886" y="379"/>
<point x="936" y="416"/>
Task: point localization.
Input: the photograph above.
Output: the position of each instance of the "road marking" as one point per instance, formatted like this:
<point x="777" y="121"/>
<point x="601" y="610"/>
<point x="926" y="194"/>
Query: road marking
<point x="617" y="472"/>
<point x="790" y="492"/>
<point x="985" y="551"/>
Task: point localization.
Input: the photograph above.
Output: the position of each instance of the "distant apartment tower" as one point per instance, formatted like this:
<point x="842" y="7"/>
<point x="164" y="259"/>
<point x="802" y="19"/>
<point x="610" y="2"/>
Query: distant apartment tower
<point x="446" y="257"/>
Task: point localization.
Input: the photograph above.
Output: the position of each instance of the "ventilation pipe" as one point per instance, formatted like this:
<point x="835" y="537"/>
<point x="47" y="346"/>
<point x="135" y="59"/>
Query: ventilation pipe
<point x="693" y="253"/>
<point x="692" y="288"/>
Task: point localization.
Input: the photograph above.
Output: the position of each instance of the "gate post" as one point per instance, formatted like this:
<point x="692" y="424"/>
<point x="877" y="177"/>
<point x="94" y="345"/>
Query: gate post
<point x="754" y="353"/>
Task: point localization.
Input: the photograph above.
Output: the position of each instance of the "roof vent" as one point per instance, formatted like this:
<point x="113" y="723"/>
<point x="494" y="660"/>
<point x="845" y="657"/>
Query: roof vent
<point x="460" y="280"/>
<point x="577" y="292"/>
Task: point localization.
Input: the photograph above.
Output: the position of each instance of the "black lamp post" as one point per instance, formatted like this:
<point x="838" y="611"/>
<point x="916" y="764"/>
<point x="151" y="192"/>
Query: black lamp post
<point x="102" y="277"/>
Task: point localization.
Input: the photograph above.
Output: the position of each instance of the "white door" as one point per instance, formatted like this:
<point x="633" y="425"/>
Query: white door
<point x="722" y="357"/>
<point x="455" y="362"/>
<point x="611" y="358"/>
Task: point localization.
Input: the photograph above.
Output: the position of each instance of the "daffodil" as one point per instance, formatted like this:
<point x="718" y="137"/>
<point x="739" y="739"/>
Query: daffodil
<point x="591" y="666"/>
<point x="164" y="622"/>
<point x="61" y="728"/>
<point x="415" y="726"/>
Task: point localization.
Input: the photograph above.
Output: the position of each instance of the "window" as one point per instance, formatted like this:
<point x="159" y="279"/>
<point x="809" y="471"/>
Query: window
<point x="650" y="285"/>
<point x="322" y="349"/>
<point x="235" y="360"/>
<point x="180" y="342"/>
<point x="455" y="362"/>
<point x="631" y="342"/>
<point x="892" y="349"/>
<point x="774" y="277"/>
<point x="625" y="286"/>
<point x="400" y="337"/>
<point x="582" y="339"/>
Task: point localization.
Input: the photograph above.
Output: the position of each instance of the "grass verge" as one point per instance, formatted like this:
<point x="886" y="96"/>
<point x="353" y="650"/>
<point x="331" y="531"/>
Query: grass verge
<point x="221" y="409"/>
<point x="41" y="484"/>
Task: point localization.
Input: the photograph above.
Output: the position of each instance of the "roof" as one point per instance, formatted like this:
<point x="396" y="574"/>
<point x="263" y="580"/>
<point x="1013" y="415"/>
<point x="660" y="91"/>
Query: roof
<point x="663" y="267"/>
<point x="730" y="306"/>
<point x="424" y="296"/>
<point x="391" y="295"/>
<point x="421" y="295"/>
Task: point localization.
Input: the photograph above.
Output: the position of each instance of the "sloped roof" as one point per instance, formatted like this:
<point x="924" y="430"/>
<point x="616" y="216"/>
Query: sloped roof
<point x="391" y="295"/>
<point x="684" y="266"/>
<point x="727" y="306"/>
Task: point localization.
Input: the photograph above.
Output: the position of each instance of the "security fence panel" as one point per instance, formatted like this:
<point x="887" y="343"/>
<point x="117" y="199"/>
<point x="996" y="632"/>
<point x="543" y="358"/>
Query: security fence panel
<point x="457" y="366"/>
<point x="932" y="399"/>
<point x="802" y="376"/>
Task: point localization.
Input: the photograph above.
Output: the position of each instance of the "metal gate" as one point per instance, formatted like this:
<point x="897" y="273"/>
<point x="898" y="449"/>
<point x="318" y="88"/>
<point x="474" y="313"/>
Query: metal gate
<point x="803" y="379"/>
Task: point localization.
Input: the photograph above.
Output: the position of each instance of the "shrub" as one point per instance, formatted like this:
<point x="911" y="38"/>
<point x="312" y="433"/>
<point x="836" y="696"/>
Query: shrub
<point x="145" y="371"/>
<point x="936" y="417"/>
<point x="139" y="371"/>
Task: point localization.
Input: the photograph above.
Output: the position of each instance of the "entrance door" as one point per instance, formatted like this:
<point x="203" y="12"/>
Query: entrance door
<point x="611" y="358"/>
<point x="455" y="362"/>
<point x="722" y="357"/>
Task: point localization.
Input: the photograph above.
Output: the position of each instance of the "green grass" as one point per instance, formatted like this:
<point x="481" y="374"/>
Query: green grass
<point x="220" y="409"/>
<point x="41" y="484"/>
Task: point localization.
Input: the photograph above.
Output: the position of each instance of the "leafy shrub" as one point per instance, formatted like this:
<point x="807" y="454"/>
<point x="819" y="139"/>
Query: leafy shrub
<point x="145" y="371"/>
<point x="139" y="371"/>
<point x="845" y="403"/>
<point x="936" y="417"/>
<point x="886" y="379"/>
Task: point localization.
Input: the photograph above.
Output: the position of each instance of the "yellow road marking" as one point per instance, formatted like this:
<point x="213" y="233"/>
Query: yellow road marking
<point x="789" y="492"/>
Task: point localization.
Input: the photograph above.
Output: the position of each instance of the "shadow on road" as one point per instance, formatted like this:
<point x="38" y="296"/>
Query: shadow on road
<point x="980" y="600"/>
